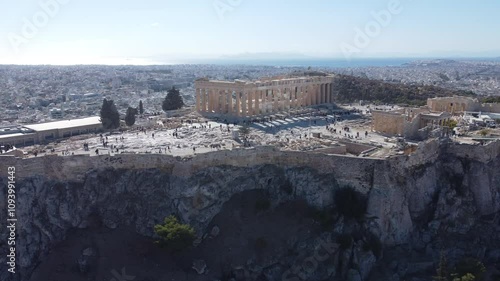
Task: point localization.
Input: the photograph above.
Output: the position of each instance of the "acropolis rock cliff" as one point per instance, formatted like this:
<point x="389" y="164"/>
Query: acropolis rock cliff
<point x="441" y="189"/>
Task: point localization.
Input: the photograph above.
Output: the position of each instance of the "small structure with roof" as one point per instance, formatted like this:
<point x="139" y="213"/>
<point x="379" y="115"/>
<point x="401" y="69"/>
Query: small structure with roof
<point x="19" y="135"/>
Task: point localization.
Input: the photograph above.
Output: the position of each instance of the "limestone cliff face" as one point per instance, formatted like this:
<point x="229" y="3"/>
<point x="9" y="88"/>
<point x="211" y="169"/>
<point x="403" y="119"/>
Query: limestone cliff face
<point x="412" y="200"/>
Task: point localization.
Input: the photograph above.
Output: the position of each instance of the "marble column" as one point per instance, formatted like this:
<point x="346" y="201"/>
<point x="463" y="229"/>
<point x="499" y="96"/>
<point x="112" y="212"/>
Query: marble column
<point x="327" y="89"/>
<point x="244" y="103"/>
<point x="305" y="97"/>
<point x="281" y="101"/>
<point x="222" y="103"/>
<point x="270" y="101"/>
<point x="326" y="93"/>
<point x="216" y="100"/>
<point x="256" y="110"/>
<point x="229" y="97"/>
<point x="288" y="96"/>
<point x="320" y="94"/>
<point x="206" y="95"/>
<point x="317" y="94"/>
<point x="203" y="100"/>
<point x="250" y="103"/>
<point x="286" y="99"/>
<point x="330" y="92"/>
<point x="297" y="97"/>
<point x="310" y="93"/>
<point x="263" y="101"/>
<point x="198" y="100"/>
<point x="238" y="103"/>
<point x="300" y="97"/>
<point x="275" y="101"/>
<point x="323" y="93"/>
<point x="210" y="100"/>
<point x="313" y="95"/>
<point x="207" y="99"/>
<point x="226" y="100"/>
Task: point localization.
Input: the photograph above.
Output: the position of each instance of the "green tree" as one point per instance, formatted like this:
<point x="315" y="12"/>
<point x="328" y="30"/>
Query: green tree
<point x="466" y="277"/>
<point x="451" y="123"/>
<point x="130" y="116"/>
<point x="442" y="270"/>
<point x="484" y="132"/>
<point x="470" y="266"/>
<point x="174" y="235"/>
<point x="110" y="117"/>
<point x="173" y="100"/>
<point x="141" y="107"/>
<point x="244" y="131"/>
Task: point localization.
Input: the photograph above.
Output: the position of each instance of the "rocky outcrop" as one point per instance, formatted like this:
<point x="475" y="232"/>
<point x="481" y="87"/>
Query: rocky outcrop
<point x="442" y="189"/>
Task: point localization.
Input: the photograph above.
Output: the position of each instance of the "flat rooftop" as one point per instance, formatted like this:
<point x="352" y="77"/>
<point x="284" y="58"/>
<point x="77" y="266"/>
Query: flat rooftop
<point x="65" y="124"/>
<point x="12" y="135"/>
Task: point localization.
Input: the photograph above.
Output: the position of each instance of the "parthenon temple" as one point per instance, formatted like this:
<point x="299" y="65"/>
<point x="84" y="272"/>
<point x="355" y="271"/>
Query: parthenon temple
<point x="244" y="99"/>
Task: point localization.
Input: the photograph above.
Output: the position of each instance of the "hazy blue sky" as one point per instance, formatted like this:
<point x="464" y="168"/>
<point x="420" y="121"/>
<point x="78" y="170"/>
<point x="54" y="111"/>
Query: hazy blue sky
<point x="91" y="31"/>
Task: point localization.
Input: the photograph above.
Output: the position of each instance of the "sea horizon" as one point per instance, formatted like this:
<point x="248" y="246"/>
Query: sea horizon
<point x="279" y="62"/>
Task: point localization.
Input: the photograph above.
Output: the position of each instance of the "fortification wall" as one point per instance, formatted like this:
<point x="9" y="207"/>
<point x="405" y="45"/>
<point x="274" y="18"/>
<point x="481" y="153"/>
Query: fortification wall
<point x="346" y="168"/>
<point x="73" y="168"/>
<point x="388" y="122"/>
<point x="490" y="107"/>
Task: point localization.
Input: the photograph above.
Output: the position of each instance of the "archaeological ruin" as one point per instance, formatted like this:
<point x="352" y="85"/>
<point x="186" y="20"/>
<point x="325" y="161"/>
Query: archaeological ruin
<point x="244" y="99"/>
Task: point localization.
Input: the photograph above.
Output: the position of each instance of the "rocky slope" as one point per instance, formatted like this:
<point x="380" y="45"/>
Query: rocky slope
<point x="351" y="88"/>
<point x="445" y="198"/>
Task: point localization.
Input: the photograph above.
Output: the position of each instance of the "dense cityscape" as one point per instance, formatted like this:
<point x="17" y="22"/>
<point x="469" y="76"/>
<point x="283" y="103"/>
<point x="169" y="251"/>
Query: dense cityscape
<point x="43" y="93"/>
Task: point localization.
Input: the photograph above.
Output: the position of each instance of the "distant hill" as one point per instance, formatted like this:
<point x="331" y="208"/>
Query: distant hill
<point x="350" y="89"/>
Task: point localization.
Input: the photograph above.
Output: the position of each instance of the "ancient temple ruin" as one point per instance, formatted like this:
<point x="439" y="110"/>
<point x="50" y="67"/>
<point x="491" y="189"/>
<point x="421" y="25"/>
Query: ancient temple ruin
<point x="253" y="98"/>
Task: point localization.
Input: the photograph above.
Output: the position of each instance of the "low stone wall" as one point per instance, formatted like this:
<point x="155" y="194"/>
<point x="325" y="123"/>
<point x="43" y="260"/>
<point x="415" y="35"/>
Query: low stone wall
<point x="356" y="148"/>
<point x="339" y="150"/>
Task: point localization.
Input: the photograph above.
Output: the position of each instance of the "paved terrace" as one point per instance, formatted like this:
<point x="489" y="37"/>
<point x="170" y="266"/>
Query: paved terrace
<point x="197" y="135"/>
